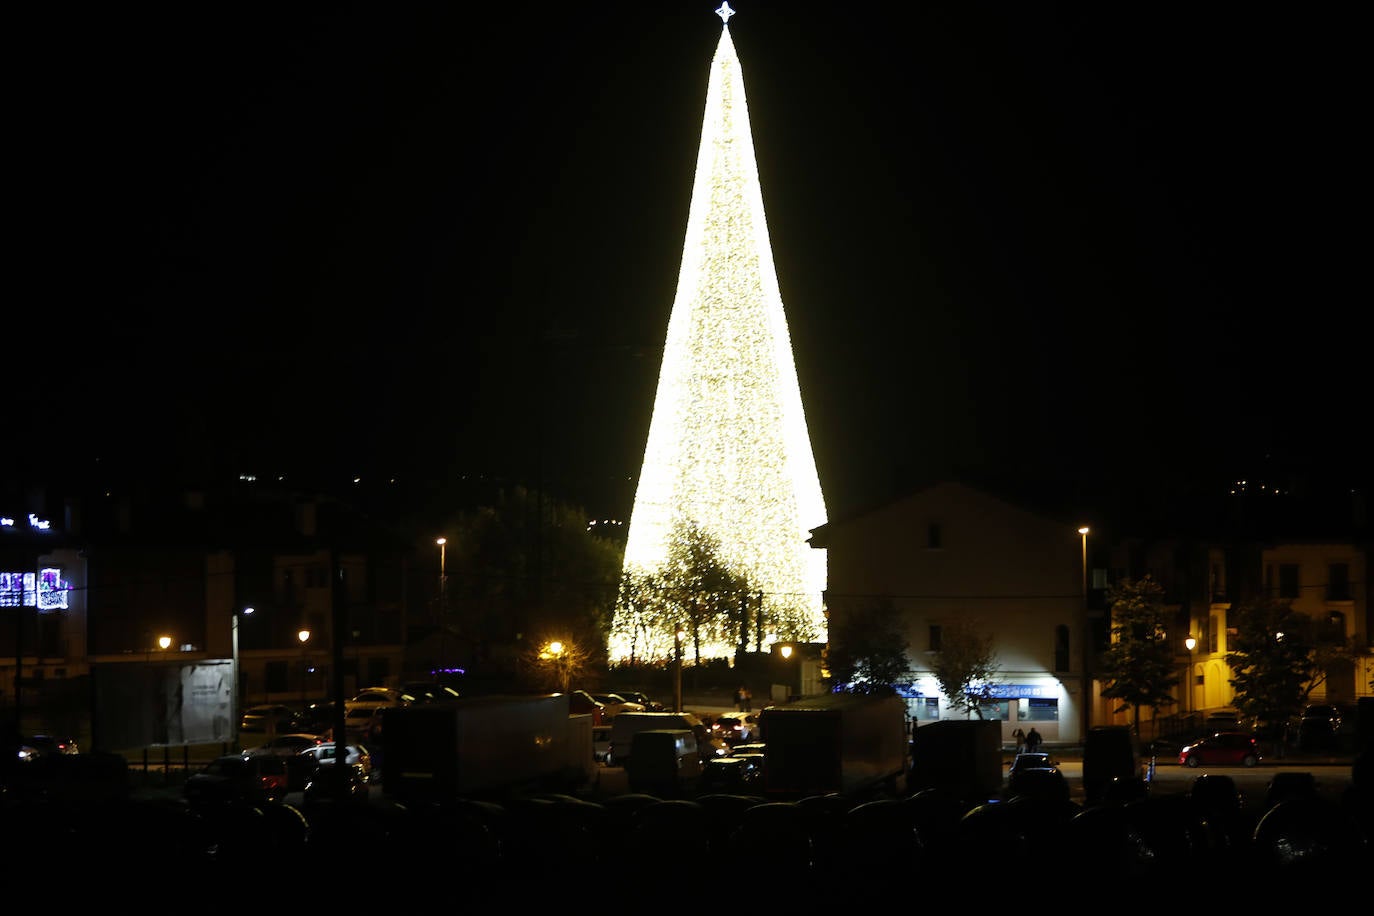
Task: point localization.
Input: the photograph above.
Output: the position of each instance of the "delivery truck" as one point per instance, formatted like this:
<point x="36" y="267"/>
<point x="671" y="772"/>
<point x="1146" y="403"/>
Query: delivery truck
<point x="851" y="744"/>
<point x="485" y="747"/>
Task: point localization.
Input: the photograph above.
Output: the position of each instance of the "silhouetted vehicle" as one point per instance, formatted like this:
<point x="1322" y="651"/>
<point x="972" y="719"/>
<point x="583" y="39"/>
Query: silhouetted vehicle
<point x="634" y="696"/>
<point x="332" y="783"/>
<point x="1036" y="774"/>
<point x="31" y="747"/>
<point x="736" y="727"/>
<point x="732" y="774"/>
<point x="237" y="779"/>
<point x="273" y="717"/>
<point x="613" y="704"/>
<point x="1221" y="749"/>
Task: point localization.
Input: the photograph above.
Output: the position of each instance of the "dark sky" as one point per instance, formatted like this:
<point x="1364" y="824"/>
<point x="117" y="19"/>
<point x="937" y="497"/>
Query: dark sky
<point x="1104" y="248"/>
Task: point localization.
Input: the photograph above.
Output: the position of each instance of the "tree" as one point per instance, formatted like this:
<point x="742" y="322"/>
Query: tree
<point x="866" y="652"/>
<point x="965" y="667"/>
<point x="1273" y="659"/>
<point x="528" y="566"/>
<point x="701" y="589"/>
<point x="1139" y="666"/>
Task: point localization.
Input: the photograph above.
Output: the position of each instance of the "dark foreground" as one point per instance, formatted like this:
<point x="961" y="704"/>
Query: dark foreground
<point x="811" y="848"/>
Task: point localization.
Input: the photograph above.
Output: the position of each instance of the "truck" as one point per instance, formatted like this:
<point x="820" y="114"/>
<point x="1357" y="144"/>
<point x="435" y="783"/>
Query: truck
<point x="960" y="756"/>
<point x="485" y="747"/>
<point x="850" y="744"/>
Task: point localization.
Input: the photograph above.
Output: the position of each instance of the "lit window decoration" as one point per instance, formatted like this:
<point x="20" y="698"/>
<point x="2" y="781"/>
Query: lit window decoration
<point x="39" y="524"/>
<point x="46" y="590"/>
<point x="52" y="590"/>
<point x="728" y="446"/>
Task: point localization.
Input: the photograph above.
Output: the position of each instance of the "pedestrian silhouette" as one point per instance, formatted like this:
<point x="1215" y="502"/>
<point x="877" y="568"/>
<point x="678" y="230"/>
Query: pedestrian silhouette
<point x="1033" y="740"/>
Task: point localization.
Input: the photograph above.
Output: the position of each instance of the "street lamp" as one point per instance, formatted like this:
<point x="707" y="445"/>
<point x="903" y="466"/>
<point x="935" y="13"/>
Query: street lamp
<point x="678" y="636"/>
<point x="1190" y="644"/>
<point x="443" y="605"/>
<point x="234" y="677"/>
<point x="304" y="636"/>
<point x="1087" y="640"/>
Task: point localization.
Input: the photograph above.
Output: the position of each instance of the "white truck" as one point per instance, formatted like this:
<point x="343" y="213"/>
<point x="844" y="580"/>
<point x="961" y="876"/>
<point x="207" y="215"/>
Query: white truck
<point x="845" y="743"/>
<point x="485" y="747"/>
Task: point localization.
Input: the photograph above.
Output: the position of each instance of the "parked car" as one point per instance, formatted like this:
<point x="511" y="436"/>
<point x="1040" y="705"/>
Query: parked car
<point x="580" y="702"/>
<point x="289" y="747"/>
<point x="273" y="717"/>
<point x="613" y="704"/>
<point x="327" y="752"/>
<point x="336" y="784"/>
<point x="740" y="774"/>
<point x="1031" y="760"/>
<point x="31" y="747"/>
<point x="428" y="692"/>
<point x="1319" y="728"/>
<point x="237" y="779"/>
<point x="736" y="727"/>
<point x="634" y="696"/>
<point x="1221" y="749"/>
<point x="1036" y="774"/>
<point x="601" y="742"/>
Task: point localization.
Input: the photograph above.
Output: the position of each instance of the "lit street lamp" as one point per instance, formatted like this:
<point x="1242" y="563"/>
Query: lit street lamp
<point x="443" y="606"/>
<point x="557" y="653"/>
<point x="1087" y="641"/>
<point x="678" y="636"/>
<point x="304" y="636"/>
<point x="1190" y="644"/>
<point x="234" y="677"/>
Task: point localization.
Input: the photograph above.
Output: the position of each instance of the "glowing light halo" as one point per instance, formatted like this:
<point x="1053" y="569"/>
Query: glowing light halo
<point x="728" y="445"/>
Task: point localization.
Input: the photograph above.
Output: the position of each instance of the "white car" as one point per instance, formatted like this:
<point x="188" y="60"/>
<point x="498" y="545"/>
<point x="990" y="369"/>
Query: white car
<point x="327" y="752"/>
<point x="614" y="704"/>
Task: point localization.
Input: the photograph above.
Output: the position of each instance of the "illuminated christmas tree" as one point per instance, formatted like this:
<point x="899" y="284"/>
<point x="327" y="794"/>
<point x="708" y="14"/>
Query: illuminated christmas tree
<point x="728" y="450"/>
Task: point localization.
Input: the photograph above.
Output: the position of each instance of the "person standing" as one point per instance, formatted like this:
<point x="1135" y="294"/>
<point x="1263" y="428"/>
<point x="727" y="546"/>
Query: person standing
<point x="739" y="698"/>
<point x="748" y="699"/>
<point x="1033" y="740"/>
<point x="1020" y="737"/>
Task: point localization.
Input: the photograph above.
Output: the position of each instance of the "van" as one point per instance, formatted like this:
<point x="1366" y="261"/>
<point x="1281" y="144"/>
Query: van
<point x="626" y="725"/>
<point x="663" y="761"/>
<point x="1109" y="755"/>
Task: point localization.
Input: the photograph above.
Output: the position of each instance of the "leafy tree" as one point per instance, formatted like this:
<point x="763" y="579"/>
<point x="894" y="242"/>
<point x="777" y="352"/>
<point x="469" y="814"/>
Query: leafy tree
<point x="557" y="662"/>
<point x="702" y="590"/>
<point x="966" y="667"/>
<point x="1138" y="668"/>
<point x="527" y="566"/>
<point x="1273" y="659"/>
<point x="866" y="652"/>
<point x="645" y="619"/>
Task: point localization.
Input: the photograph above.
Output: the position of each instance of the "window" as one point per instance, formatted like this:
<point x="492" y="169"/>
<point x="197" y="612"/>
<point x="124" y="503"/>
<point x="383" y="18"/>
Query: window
<point x="1041" y="710"/>
<point x="1288" y="580"/>
<point x="276" y="676"/>
<point x="935" y="637"/>
<point x="1338" y="582"/>
<point x="933" y="536"/>
<point x="1061" y="648"/>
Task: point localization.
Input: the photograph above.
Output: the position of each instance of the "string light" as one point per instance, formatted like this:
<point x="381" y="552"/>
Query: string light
<point x="728" y="447"/>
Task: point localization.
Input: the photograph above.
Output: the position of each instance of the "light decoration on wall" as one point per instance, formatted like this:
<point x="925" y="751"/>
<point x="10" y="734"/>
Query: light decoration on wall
<point x="728" y="447"/>
<point x="45" y="590"/>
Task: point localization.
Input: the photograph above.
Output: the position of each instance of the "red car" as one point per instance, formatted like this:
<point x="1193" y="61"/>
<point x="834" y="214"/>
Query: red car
<point x="1221" y="750"/>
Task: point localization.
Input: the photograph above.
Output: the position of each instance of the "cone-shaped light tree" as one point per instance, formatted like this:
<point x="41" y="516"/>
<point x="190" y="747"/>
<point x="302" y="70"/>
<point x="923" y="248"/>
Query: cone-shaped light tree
<point x="728" y="454"/>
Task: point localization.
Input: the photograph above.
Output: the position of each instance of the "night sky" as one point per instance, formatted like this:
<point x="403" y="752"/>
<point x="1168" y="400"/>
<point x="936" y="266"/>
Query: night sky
<point x="1098" y="249"/>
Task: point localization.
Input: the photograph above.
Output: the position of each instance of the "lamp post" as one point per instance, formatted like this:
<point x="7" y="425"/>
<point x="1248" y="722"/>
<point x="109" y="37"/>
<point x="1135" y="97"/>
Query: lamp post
<point x="443" y="607"/>
<point x="1087" y="640"/>
<point x="1190" y="644"/>
<point x="304" y="636"/>
<point x="559" y="653"/>
<point x="678" y="635"/>
<point x="234" y="701"/>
